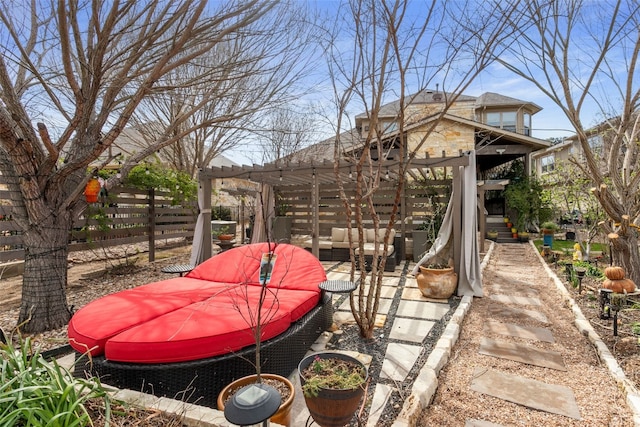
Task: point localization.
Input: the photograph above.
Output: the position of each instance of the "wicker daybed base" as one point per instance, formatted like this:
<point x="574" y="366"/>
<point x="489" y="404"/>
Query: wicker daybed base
<point x="200" y="381"/>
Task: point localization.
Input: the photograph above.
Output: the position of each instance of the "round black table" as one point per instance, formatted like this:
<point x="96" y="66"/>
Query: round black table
<point x="178" y="268"/>
<point x="338" y="286"/>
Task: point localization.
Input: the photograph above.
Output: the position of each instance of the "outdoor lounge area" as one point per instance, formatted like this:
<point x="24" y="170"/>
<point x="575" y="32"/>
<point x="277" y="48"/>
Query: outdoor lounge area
<point x="190" y="336"/>
<point x="337" y="248"/>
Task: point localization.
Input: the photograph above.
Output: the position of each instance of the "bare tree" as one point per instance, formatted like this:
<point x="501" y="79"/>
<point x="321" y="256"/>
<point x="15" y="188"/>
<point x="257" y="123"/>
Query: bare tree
<point x="219" y="100"/>
<point x="584" y="55"/>
<point x="286" y="132"/>
<point x="85" y="70"/>
<point x="393" y="52"/>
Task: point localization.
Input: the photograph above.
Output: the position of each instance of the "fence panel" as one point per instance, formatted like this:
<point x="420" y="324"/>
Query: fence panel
<point x="125" y="216"/>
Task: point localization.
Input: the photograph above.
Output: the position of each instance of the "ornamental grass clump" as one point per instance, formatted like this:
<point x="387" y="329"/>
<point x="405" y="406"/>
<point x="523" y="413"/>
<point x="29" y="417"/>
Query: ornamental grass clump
<point x="332" y="373"/>
<point x="36" y="392"/>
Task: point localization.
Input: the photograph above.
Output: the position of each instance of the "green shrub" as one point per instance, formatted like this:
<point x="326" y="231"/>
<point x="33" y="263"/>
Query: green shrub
<point x="36" y="392"/>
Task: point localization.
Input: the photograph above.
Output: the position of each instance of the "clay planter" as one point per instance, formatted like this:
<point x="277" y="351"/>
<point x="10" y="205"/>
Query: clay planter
<point x="333" y="407"/>
<point x="439" y="283"/>
<point x="226" y="237"/>
<point x="282" y="416"/>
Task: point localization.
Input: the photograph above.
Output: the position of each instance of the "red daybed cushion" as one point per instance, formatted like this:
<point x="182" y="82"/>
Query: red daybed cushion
<point x="201" y="314"/>
<point x="206" y="329"/>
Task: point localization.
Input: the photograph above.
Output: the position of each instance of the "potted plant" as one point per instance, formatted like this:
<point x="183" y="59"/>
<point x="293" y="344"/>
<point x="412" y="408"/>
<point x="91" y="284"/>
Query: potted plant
<point x="548" y="230"/>
<point x="437" y="280"/>
<point x="548" y="227"/>
<point x="223" y="233"/>
<point x="492" y="234"/>
<point x="333" y="384"/>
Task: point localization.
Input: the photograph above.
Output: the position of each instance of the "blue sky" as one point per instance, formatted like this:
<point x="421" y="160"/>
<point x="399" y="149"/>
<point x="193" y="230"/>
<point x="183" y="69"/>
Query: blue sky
<point x="550" y="122"/>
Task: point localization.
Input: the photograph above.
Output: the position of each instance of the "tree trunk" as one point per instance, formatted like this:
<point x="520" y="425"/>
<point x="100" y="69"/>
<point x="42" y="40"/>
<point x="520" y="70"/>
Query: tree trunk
<point x="624" y="255"/>
<point x="44" y="297"/>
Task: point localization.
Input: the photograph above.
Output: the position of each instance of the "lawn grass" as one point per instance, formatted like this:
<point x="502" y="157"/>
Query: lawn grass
<point x="567" y="245"/>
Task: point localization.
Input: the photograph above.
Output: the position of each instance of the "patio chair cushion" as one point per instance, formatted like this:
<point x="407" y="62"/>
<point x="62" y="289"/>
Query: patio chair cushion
<point x="187" y="317"/>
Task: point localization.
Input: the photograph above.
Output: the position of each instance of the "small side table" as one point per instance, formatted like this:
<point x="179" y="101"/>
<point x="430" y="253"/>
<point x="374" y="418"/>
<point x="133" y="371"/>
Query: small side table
<point x="178" y="268"/>
<point x="338" y="286"/>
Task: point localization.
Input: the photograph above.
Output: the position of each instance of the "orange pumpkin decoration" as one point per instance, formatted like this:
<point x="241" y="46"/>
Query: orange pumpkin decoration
<point x="614" y="273"/>
<point x="92" y="190"/>
<point x="619" y="285"/>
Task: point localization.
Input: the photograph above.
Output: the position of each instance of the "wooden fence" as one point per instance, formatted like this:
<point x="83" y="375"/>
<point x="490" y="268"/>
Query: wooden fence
<point x="421" y="202"/>
<point x="127" y="216"/>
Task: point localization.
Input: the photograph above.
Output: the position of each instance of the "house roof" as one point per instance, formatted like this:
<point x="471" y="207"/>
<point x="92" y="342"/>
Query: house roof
<point x="492" y="99"/>
<point x="428" y="96"/>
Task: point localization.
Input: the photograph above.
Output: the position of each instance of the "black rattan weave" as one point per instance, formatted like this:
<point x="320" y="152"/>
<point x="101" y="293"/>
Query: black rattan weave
<point x="201" y="381"/>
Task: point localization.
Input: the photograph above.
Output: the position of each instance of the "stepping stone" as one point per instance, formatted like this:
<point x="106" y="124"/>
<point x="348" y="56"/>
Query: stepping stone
<point x="513" y="299"/>
<point x="534" y="394"/>
<point x="384" y="305"/>
<point x="422" y="309"/>
<point x="399" y="360"/>
<point x="525" y="291"/>
<point x="380" y="397"/>
<point x="413" y="294"/>
<point x="346" y="317"/>
<point x="513" y="330"/>
<point x="517" y="313"/>
<point x="479" y="423"/>
<point x="414" y="330"/>
<point x="522" y="353"/>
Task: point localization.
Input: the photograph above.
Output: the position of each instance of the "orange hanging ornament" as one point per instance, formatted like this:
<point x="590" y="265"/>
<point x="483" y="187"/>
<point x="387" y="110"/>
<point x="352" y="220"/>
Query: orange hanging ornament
<point x="92" y="190"/>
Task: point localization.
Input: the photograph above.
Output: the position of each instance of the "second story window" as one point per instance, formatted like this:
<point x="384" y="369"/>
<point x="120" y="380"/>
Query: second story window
<point x="527" y="124"/>
<point x="547" y="163"/>
<point x="506" y="120"/>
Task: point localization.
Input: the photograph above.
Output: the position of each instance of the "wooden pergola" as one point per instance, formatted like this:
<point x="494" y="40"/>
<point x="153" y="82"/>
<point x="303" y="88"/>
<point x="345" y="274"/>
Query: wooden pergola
<point x="312" y="174"/>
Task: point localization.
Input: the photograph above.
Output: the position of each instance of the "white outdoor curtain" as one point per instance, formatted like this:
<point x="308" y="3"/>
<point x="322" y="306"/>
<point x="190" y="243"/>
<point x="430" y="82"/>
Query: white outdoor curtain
<point x="265" y="210"/>
<point x="469" y="272"/>
<point x="197" y="252"/>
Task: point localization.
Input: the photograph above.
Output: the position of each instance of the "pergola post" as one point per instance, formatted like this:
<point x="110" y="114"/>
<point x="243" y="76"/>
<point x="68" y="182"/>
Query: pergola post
<point x="315" y="226"/>
<point x="207" y="250"/>
<point x="457" y="216"/>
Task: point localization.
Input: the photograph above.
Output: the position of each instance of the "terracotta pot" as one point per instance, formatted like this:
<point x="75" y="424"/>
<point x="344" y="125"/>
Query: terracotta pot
<point x="282" y="416"/>
<point x="437" y="283"/>
<point x="332" y="408"/>
<point x="225" y="236"/>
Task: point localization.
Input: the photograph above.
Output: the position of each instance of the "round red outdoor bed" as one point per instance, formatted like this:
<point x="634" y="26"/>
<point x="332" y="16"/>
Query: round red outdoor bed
<point x="188" y="337"/>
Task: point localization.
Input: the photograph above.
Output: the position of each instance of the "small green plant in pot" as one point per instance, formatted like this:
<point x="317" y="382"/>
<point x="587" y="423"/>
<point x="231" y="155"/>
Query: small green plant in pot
<point x="224" y="234"/>
<point x="333" y="384"/>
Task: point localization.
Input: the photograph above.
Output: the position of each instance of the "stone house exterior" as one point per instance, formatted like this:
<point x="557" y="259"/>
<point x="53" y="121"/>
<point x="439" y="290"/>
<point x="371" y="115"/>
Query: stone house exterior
<point x="497" y="127"/>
